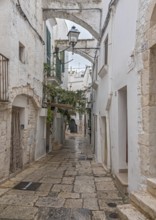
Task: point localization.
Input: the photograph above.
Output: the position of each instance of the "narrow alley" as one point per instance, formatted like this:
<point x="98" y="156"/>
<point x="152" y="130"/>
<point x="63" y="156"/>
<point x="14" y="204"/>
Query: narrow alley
<point x="66" y="184"/>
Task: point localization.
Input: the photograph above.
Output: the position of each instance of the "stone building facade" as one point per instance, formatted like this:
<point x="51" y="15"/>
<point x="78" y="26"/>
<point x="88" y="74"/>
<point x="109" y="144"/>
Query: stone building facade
<point x="123" y="125"/>
<point x="22" y="127"/>
<point x="145" y="49"/>
<point x="124" y="93"/>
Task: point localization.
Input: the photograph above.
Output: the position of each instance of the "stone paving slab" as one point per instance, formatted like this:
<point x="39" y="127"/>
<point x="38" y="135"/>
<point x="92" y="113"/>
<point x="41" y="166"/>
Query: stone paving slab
<point x="2" y="207"/>
<point x="53" y="214"/>
<point x="98" y="215"/>
<point x="50" y="202"/>
<point x="70" y="173"/>
<point x="20" y="192"/>
<point x="55" y="174"/>
<point x="68" y="180"/>
<point x="68" y="195"/>
<point x="105" y="186"/>
<point x="71" y="189"/>
<point x="62" y="188"/>
<point x="84" y="178"/>
<point x="109" y="194"/>
<point x="9" y="184"/>
<point x="45" y="187"/>
<point x="88" y="195"/>
<point x="83" y="187"/>
<point x="99" y="171"/>
<point x="103" y="204"/>
<point x="18" y="200"/>
<point x="50" y="180"/>
<point x="84" y="171"/>
<point x="64" y="214"/>
<point x="19" y="212"/>
<point x="91" y="204"/>
<point x="80" y="214"/>
<point x="2" y="191"/>
<point x="103" y="179"/>
<point x="73" y="203"/>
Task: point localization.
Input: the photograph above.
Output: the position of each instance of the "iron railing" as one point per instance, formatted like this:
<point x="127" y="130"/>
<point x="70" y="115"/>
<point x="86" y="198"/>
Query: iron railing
<point x="3" y="78"/>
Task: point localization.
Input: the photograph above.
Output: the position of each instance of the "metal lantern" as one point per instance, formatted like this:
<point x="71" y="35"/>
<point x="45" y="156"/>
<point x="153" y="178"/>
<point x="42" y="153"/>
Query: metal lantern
<point x="73" y="35"/>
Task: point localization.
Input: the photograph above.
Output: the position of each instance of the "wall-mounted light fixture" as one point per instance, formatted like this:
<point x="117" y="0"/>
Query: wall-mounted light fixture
<point x="73" y="36"/>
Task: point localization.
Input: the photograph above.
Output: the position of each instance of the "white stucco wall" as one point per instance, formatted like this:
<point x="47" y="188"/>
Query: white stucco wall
<point x="122" y="38"/>
<point x="124" y="31"/>
<point x="31" y="70"/>
<point x="25" y="78"/>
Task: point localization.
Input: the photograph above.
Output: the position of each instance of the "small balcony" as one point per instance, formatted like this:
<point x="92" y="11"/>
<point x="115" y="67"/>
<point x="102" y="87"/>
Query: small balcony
<point x="4" y="78"/>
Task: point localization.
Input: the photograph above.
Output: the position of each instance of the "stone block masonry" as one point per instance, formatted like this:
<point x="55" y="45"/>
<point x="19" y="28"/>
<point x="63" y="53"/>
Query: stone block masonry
<point x="61" y="196"/>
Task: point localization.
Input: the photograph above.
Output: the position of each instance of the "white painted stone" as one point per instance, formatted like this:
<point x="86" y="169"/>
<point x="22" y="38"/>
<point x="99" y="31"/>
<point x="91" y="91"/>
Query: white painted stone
<point x="129" y="212"/>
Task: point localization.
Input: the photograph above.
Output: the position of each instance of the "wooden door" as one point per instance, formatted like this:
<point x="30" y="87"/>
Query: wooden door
<point x="16" y="150"/>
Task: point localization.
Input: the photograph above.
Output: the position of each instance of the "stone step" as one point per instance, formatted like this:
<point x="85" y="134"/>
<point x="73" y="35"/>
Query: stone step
<point x="151" y="186"/>
<point x="129" y="212"/>
<point x="145" y="202"/>
<point x="121" y="181"/>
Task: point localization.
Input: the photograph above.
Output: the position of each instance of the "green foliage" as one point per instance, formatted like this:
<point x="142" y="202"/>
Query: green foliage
<point x="50" y="115"/>
<point x="48" y="69"/>
<point x="74" y="98"/>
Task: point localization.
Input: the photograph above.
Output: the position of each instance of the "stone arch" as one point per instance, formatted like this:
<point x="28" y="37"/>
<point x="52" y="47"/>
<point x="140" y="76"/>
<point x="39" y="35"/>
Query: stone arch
<point x="151" y="14"/>
<point x="153" y="17"/>
<point x="78" y="19"/>
<point x="26" y="91"/>
<point x="85" y="48"/>
<point x="27" y="109"/>
<point x="85" y="55"/>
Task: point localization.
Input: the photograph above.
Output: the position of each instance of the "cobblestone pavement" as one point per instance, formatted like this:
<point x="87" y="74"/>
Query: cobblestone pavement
<point x="71" y="186"/>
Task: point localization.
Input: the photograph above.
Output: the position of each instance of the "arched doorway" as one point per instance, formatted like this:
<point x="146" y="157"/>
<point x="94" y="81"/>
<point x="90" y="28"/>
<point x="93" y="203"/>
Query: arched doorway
<point x="23" y="132"/>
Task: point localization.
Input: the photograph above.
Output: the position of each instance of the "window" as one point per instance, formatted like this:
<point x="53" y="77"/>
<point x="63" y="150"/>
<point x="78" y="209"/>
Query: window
<point x="21" y="52"/>
<point x="48" y="46"/>
<point x="62" y="58"/>
<point x="106" y="51"/>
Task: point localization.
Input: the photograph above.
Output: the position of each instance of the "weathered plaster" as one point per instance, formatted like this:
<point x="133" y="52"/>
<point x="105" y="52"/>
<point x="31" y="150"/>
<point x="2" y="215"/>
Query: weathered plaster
<point x="80" y="12"/>
<point x="146" y="44"/>
<point x="83" y="45"/>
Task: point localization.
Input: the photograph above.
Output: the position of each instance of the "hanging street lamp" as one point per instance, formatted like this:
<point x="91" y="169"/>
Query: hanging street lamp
<point x="73" y="35"/>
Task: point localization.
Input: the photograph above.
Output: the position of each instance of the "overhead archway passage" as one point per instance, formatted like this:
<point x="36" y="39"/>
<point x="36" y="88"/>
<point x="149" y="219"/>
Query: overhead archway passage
<point x="84" y="47"/>
<point x="80" y="12"/>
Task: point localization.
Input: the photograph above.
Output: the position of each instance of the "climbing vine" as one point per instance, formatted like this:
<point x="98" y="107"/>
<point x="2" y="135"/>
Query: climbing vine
<point x="74" y="101"/>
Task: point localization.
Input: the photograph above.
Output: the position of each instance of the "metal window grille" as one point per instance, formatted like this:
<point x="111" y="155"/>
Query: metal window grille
<point x="3" y="78"/>
<point x="48" y="47"/>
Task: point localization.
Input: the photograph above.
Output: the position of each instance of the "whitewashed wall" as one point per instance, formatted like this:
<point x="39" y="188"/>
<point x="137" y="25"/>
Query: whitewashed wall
<point x="121" y="72"/>
<point x="25" y="78"/>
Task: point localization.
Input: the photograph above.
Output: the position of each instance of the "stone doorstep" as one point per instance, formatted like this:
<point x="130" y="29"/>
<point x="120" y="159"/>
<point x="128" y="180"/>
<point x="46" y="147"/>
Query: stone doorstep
<point x="145" y="202"/>
<point x="129" y="212"/>
<point x="121" y="181"/>
<point x="151" y="186"/>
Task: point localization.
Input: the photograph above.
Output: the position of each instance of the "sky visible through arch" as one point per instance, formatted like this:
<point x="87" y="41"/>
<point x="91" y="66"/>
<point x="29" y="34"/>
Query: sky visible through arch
<point x="78" y="62"/>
